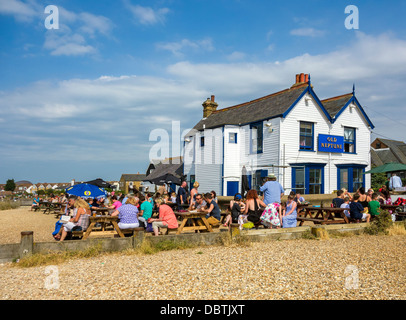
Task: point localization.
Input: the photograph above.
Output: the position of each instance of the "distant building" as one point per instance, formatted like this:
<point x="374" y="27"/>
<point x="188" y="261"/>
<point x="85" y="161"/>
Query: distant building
<point x="131" y="183"/>
<point x="313" y="146"/>
<point x="386" y="151"/>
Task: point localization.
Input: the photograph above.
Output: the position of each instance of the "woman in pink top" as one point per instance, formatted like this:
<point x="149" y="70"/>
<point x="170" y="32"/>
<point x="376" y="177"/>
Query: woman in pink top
<point x="167" y="218"/>
<point x="116" y="204"/>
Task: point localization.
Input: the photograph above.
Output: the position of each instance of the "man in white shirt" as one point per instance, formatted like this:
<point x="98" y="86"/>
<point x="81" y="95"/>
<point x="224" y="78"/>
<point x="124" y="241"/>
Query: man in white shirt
<point x="395" y="182"/>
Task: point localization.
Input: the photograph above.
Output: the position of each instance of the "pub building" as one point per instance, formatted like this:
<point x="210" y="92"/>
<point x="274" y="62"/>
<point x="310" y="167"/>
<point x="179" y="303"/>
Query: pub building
<point x="313" y="146"/>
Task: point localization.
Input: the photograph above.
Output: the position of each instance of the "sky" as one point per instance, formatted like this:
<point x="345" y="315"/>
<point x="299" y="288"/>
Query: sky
<point x="89" y="93"/>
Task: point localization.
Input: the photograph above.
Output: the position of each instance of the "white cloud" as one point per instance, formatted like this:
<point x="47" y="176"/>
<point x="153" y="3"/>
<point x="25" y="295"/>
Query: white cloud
<point x="148" y="15"/>
<point x="178" y="48"/>
<point x="20" y="10"/>
<point x="75" y="29"/>
<point x="307" y="32"/>
<point x="83" y="117"/>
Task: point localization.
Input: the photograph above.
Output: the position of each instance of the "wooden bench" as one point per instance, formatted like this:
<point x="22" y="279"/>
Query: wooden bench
<point x="170" y="230"/>
<point x="76" y="234"/>
<point x="132" y="231"/>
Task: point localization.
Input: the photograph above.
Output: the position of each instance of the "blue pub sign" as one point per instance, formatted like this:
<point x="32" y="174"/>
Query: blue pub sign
<point x="329" y="143"/>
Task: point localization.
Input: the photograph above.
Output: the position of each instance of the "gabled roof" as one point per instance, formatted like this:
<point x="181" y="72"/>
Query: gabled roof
<point x="133" y="177"/>
<point x="336" y="105"/>
<point x="389" y="151"/>
<point x="278" y="104"/>
<point x="173" y="167"/>
<point x="271" y="106"/>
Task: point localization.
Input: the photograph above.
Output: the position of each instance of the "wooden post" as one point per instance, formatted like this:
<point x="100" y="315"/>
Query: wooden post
<point x="26" y="244"/>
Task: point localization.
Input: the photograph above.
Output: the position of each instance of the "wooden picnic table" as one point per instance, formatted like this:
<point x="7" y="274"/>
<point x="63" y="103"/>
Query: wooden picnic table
<point x="101" y="211"/>
<point x="198" y="222"/>
<point x="51" y="207"/>
<point x="322" y="215"/>
<point x="102" y="220"/>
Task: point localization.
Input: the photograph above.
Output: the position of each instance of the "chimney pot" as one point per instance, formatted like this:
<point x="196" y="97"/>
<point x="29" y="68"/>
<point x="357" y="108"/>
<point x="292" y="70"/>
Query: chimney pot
<point x="306" y="78"/>
<point x="297" y="78"/>
<point x="301" y="77"/>
<point x="212" y="97"/>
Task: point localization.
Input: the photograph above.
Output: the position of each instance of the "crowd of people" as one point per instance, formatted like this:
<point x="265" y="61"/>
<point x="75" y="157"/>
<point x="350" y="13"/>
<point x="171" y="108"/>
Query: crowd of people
<point x="250" y="211"/>
<point x="362" y="205"/>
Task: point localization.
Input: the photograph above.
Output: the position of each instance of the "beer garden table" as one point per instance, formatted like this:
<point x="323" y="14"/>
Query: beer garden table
<point x="322" y="215"/>
<point x="198" y="222"/>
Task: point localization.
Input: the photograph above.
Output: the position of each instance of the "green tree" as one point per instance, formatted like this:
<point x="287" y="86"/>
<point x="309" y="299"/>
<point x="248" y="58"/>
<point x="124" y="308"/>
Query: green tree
<point x="377" y="180"/>
<point x="10" y="185"/>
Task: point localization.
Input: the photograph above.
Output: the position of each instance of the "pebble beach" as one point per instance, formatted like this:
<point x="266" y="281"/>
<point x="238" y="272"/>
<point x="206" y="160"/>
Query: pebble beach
<point x="359" y="267"/>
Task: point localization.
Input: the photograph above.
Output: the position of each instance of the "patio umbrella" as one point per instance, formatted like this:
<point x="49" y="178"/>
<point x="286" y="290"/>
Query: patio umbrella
<point x="86" y="190"/>
<point x="244" y="183"/>
<point x="166" y="178"/>
<point x="388" y="167"/>
<point x="99" y="183"/>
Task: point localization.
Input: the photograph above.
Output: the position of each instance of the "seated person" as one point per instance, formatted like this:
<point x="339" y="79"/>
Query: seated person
<point x="299" y="199"/>
<point x="35" y="202"/>
<point x="213" y="211"/>
<point x="80" y="221"/>
<point x="339" y="200"/>
<point x="346" y="205"/>
<point x="236" y="206"/>
<point x="128" y="214"/>
<point x="199" y="203"/>
<point x="166" y="219"/>
<point x="374" y="205"/>
<point x="357" y="209"/>
<point x="145" y="210"/>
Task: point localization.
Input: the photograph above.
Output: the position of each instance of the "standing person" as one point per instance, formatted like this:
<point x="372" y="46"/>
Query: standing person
<point x="289" y="219"/>
<point x="213" y="211"/>
<point x="145" y="210"/>
<point x="272" y="190"/>
<point x="252" y="205"/>
<point x="79" y="221"/>
<point x="193" y="193"/>
<point x="127" y="213"/>
<point x="182" y="195"/>
<point x="166" y="219"/>
<point x="357" y="209"/>
<point x="395" y="182"/>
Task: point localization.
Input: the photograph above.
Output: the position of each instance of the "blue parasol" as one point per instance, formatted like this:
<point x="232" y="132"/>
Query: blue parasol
<point x="86" y="190"/>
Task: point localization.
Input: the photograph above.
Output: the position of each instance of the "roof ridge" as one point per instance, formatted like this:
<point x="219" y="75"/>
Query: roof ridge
<point x="259" y="99"/>
<point x="337" y="97"/>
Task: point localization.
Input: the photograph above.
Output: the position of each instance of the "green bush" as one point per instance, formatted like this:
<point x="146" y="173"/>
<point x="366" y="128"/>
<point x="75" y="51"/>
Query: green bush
<point x="380" y="224"/>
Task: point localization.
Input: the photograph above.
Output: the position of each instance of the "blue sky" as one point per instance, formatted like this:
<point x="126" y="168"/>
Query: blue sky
<point x="81" y="101"/>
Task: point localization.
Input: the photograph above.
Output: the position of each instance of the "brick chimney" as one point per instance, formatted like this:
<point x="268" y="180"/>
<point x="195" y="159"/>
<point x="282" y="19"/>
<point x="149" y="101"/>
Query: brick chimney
<point x="301" y="78"/>
<point x="209" y="106"/>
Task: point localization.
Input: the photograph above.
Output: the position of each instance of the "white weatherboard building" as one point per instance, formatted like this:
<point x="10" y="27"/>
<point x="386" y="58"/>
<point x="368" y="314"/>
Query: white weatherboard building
<point x="312" y="146"/>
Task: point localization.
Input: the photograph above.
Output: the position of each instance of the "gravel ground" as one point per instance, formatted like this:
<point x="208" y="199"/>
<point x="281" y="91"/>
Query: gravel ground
<point x="350" y="268"/>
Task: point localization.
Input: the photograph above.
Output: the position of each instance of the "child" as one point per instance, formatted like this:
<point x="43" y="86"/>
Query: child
<point x="299" y="198"/>
<point x="374" y="205"/>
<point x="337" y="202"/>
<point x="346" y="205"/>
<point x="356" y="209"/>
<point x="173" y="197"/>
